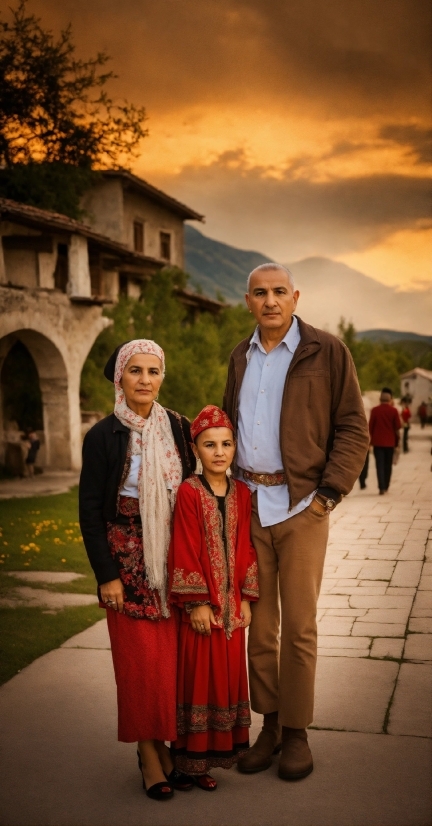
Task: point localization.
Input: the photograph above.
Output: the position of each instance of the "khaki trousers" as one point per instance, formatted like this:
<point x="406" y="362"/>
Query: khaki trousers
<point x="282" y="648"/>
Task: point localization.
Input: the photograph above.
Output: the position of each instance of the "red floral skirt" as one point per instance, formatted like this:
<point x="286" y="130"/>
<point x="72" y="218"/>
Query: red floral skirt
<point x="143" y="643"/>
<point x="213" y="712"/>
<point x="126" y="545"/>
<point x="145" y="662"/>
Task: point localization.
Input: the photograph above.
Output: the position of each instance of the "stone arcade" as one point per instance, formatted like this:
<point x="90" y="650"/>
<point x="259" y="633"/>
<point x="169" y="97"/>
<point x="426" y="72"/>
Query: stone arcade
<point x="56" y="274"/>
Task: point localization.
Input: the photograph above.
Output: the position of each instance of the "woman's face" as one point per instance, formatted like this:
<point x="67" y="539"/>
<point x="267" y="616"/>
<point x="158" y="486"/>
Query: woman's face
<point x="141" y="381"/>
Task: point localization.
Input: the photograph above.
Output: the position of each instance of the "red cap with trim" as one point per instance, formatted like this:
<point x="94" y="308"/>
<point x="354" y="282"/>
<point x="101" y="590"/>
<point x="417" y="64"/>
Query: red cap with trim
<point x="210" y="416"/>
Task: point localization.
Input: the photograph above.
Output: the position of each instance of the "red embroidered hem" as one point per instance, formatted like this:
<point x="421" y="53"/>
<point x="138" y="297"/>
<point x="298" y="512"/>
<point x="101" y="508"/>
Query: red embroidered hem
<point x="198" y="762"/>
<point x="213" y="712"/>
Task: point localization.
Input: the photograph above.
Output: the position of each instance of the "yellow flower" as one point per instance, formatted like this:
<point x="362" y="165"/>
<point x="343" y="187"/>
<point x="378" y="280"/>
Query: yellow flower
<point x="63" y="560"/>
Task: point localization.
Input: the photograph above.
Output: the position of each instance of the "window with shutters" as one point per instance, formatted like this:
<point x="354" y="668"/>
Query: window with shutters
<point x="165" y="246"/>
<point x="138" y="236"/>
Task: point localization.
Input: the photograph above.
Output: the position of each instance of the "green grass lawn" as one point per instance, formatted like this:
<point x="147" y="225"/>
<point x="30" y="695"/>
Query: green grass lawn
<point x="27" y="633"/>
<point x="41" y="534"/>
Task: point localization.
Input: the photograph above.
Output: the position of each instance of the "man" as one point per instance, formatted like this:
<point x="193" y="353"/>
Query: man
<point x="422" y="414"/>
<point x="293" y="396"/>
<point x="405" y="416"/>
<point x="384" y="426"/>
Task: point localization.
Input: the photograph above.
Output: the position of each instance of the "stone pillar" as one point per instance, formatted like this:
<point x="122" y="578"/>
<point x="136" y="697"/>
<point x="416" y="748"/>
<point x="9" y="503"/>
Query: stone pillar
<point x="56" y="422"/>
<point x="79" y="271"/>
<point x="47" y="265"/>
<point x="75" y="441"/>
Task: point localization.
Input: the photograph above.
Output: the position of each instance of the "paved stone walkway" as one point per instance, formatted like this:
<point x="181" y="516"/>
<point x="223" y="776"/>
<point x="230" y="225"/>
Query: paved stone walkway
<point x="60" y="763"/>
<point x="375" y="608"/>
<point x="28" y="597"/>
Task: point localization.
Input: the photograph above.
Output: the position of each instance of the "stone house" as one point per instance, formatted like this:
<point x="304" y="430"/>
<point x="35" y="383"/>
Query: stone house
<point x="143" y="219"/>
<point x="416" y="384"/>
<point x="56" y="274"/>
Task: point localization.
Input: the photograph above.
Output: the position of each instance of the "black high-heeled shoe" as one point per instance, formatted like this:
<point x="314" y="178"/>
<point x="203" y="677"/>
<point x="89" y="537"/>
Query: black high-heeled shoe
<point x="159" y="791"/>
<point x="180" y="781"/>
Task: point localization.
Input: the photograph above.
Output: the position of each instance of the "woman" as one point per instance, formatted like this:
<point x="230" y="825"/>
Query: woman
<point x="133" y="463"/>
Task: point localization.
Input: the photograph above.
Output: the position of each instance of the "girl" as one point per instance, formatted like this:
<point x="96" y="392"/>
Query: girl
<point x="213" y="577"/>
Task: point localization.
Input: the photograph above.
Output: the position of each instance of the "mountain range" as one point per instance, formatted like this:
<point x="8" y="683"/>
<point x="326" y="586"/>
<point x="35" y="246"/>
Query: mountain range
<point x="329" y="289"/>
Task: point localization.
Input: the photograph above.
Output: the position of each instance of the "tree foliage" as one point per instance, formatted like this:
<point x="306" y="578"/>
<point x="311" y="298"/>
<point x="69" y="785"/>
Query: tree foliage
<point x="57" y="120"/>
<point x="196" y="351"/>
<point x="380" y="364"/>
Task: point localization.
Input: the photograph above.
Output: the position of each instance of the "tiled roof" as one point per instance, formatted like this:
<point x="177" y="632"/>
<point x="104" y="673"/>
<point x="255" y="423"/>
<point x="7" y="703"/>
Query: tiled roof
<point x="418" y="371"/>
<point x="43" y="219"/>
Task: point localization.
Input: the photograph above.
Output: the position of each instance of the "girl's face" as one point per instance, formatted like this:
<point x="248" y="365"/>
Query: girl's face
<point x="141" y="380"/>
<point x="215" y="447"/>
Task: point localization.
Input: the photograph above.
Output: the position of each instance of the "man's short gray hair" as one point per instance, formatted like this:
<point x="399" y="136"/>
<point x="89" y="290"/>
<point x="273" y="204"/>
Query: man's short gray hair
<point x="271" y="266"/>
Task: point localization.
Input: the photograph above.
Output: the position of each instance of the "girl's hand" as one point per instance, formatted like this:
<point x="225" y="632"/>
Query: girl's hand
<point x="245" y="613"/>
<point x="112" y="594"/>
<point x="201" y="618"/>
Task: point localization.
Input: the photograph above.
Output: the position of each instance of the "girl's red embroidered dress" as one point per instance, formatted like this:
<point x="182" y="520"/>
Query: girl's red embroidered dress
<point x="212" y="561"/>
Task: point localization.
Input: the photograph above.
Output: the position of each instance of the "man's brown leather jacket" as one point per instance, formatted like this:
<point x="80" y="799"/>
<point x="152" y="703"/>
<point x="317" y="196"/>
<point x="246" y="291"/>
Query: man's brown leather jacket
<point x="324" y="434"/>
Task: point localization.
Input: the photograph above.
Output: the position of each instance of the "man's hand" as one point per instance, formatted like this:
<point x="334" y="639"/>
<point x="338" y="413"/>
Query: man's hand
<point x="112" y="594"/>
<point x="201" y="618"/>
<point x="245" y="613"/>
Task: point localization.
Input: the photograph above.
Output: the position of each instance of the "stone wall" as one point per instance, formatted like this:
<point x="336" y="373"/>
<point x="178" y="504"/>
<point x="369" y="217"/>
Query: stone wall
<point x="112" y="210"/>
<point x="59" y="335"/>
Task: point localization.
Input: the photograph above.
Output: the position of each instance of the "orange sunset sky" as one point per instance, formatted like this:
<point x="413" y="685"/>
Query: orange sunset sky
<point x="298" y="127"/>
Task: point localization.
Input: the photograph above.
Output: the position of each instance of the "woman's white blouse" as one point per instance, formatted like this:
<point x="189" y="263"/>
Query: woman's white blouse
<point x="130" y="486"/>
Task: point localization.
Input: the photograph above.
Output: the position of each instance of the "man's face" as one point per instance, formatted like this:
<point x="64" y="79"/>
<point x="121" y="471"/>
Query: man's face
<point x="272" y="299"/>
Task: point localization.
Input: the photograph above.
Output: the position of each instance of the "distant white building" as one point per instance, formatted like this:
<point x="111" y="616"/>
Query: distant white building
<point x="417" y="384"/>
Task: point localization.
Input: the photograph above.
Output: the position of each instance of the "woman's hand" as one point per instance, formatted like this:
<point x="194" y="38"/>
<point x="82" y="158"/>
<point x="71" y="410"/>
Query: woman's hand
<point x="112" y="594"/>
<point x="245" y="613"/>
<point x="201" y="618"/>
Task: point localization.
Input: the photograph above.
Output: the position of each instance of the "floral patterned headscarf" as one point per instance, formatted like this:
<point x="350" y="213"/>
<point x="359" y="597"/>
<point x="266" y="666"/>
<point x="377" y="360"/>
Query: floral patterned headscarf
<point x="160" y="473"/>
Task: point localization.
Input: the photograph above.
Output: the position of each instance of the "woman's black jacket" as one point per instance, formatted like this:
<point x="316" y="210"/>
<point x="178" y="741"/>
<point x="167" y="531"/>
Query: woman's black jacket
<point x="104" y="457"/>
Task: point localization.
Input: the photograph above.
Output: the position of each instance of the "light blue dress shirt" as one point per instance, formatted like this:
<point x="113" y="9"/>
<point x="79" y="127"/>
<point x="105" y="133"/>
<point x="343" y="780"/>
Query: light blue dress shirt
<point x="260" y="402"/>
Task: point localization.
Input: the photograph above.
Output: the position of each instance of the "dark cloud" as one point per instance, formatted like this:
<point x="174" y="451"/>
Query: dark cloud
<point x="333" y="56"/>
<point x="291" y="218"/>
<point x="416" y="139"/>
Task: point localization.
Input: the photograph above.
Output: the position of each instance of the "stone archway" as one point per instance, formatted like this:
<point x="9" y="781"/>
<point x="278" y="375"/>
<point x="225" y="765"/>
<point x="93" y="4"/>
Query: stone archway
<point x="53" y="382"/>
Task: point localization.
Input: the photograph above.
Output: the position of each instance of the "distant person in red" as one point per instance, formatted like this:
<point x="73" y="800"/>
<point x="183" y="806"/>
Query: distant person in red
<point x="384" y="426"/>
<point x="405" y="416"/>
<point x="422" y="414"/>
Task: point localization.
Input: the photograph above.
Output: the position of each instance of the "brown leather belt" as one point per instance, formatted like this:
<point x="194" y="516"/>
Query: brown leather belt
<point x="268" y="479"/>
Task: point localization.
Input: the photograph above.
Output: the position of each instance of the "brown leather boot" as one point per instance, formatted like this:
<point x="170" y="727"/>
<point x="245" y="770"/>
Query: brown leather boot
<point x="296" y="758"/>
<point x="259" y="756"/>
